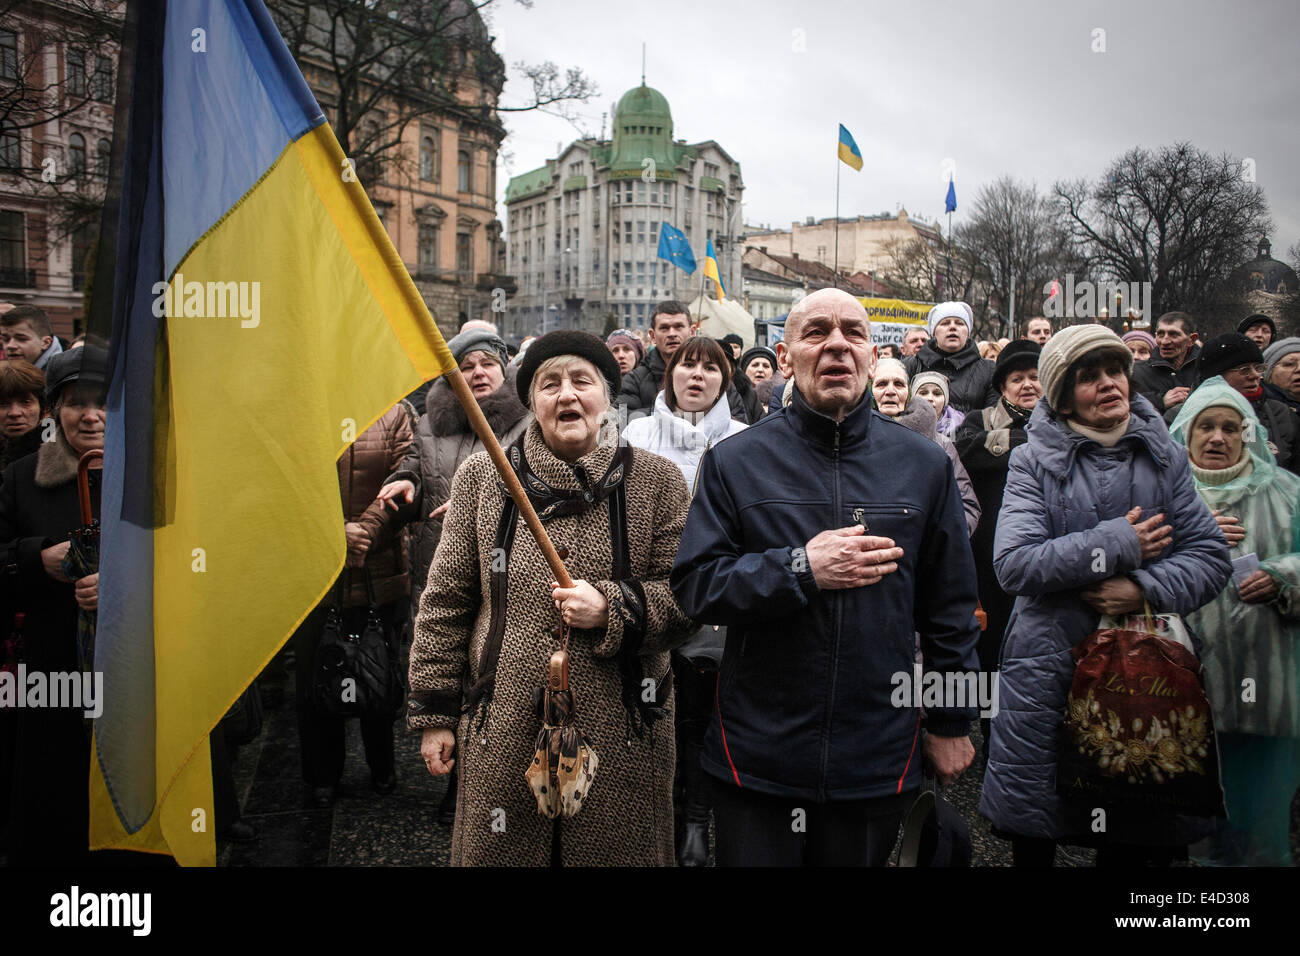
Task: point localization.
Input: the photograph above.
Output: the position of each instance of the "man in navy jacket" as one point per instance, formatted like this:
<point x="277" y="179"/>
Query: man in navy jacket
<point x="825" y="537"/>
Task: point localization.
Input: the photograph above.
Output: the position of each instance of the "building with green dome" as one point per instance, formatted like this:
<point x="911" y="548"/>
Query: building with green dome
<point x="583" y="230"/>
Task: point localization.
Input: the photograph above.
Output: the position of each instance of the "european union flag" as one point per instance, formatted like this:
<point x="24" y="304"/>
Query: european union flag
<point x="674" y="247"/>
<point x="950" y="203"/>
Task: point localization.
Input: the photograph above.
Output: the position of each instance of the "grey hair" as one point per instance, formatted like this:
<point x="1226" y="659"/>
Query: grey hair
<point x="558" y="363"/>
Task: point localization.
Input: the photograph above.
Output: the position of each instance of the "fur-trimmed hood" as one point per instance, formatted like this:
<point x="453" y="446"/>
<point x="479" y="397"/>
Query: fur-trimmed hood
<point x="56" y="462"/>
<point x="502" y="408"/>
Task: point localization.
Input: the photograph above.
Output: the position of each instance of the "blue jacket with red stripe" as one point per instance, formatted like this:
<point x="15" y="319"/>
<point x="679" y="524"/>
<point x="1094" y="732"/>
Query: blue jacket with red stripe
<point x="808" y="694"/>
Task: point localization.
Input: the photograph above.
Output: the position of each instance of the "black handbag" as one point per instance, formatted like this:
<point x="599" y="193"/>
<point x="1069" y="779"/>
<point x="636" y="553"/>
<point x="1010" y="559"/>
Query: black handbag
<point x="357" y="674"/>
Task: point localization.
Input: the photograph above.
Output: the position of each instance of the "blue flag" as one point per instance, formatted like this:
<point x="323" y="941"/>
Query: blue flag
<point x="674" y="247"/>
<point x="951" y="202"/>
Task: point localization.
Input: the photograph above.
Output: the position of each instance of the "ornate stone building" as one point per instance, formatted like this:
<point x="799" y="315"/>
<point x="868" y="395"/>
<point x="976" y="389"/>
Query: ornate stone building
<point x="433" y="180"/>
<point x="584" y="228"/>
<point x="57" y="75"/>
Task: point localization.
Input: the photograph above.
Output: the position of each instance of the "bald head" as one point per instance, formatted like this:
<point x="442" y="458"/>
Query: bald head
<point x="824" y="302"/>
<point x="827" y="350"/>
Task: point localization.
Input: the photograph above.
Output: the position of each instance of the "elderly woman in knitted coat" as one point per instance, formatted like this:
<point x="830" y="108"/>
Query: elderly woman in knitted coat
<point x="1100" y="514"/>
<point x="1251" y="630"/>
<point x="491" y="595"/>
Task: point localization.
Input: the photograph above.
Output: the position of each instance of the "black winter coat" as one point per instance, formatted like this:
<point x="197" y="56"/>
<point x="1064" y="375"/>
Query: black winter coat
<point x="38" y="509"/>
<point x="804" y="693"/>
<point x="1156" y="376"/>
<point x="984" y="442"/>
<point x="970" y="378"/>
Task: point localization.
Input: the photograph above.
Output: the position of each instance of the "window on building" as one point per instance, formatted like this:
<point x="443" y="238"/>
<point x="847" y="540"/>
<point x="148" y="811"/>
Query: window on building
<point x="627" y="232"/>
<point x="640" y="231"/>
<point x="464" y="254"/>
<point x="708" y="202"/>
<point x="654" y="233"/>
<point x="103" y="158"/>
<point x="627" y="193"/>
<point x="101" y="86"/>
<point x="640" y="273"/>
<point x="81" y="240"/>
<point x="8" y="55"/>
<point x="654" y="193"/>
<point x="11" y="152"/>
<point x="463" y="178"/>
<point x="428" y="158"/>
<point x="13" y="247"/>
<point x="640" y="192"/>
<point x="640" y="313"/>
<point x="76" y="73"/>
<point x="76" y="155"/>
<point x="428" y="247"/>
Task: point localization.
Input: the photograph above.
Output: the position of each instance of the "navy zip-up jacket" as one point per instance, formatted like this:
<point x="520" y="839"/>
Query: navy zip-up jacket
<point x="804" y="704"/>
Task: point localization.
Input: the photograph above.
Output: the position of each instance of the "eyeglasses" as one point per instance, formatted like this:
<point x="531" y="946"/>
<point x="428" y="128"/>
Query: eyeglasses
<point x="1257" y="368"/>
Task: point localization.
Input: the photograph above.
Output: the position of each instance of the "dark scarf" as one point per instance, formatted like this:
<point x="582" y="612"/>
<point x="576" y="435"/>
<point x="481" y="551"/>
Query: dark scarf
<point x="1019" y="416"/>
<point x="14" y="448"/>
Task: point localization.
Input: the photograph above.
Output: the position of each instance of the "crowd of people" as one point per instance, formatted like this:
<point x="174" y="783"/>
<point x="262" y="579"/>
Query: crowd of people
<point x="757" y="552"/>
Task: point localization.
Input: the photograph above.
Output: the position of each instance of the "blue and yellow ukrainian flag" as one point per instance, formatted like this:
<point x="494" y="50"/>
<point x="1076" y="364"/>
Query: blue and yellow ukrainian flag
<point x="849" y="149"/>
<point x="262" y="320"/>
<point x="711" y="270"/>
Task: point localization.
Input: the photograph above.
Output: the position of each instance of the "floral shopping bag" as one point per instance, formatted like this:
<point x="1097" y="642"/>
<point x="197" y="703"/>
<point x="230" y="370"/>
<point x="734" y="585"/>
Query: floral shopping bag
<point x="1138" y="725"/>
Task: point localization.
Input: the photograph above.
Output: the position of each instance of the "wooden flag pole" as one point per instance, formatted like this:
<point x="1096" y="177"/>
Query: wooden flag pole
<point x="484" y="431"/>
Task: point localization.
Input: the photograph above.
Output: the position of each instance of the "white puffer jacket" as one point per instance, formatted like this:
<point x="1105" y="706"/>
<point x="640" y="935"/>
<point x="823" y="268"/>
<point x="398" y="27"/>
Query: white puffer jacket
<point x="678" y="440"/>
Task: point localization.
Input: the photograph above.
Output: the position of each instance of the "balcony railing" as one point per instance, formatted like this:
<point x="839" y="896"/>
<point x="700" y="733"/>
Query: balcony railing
<point x="18" y="278"/>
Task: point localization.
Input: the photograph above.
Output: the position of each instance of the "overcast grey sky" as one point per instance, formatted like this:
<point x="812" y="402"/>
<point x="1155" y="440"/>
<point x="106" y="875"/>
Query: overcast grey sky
<point x="1010" y="87"/>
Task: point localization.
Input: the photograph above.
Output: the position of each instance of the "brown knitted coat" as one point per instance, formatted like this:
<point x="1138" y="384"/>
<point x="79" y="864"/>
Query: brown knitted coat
<point x="627" y="819"/>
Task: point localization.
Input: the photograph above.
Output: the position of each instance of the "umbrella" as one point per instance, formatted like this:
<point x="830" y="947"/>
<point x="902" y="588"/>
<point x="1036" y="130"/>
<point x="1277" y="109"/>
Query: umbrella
<point x="82" y="559"/>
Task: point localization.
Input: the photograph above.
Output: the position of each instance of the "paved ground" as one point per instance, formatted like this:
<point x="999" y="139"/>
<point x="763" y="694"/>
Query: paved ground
<point x="401" y="829"/>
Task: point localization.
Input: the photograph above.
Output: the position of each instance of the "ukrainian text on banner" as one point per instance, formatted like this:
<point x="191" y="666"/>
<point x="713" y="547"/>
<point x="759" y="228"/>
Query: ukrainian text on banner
<point x="892" y="318"/>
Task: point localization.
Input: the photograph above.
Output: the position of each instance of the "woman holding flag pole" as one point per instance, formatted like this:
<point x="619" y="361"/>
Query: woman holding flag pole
<point x="566" y="762"/>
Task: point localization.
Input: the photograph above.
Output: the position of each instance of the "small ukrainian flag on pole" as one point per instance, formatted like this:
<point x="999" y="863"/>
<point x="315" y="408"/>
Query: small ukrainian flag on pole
<point x="849" y="151"/>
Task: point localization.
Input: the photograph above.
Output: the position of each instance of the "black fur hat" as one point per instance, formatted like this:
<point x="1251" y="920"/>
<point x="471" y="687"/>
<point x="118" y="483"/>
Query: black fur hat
<point x="567" y="342"/>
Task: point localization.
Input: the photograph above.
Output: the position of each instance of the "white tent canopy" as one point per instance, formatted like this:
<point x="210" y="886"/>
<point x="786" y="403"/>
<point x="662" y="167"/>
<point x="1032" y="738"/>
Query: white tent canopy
<point x="723" y="317"/>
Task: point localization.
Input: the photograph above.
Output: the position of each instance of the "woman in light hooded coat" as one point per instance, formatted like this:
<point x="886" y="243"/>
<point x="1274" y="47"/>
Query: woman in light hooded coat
<point x="1099" y="514"/>
<point x="691" y="415"/>
<point x="1251" y="631"/>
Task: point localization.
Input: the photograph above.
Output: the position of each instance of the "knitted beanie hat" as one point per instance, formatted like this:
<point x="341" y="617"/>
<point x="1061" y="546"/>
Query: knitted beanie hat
<point x="949" y="310"/>
<point x="933" y="378"/>
<point x="1068" y="346"/>
<point x="1138" y="335"/>
<point x="628" y="338"/>
<point x="1278" y="351"/>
